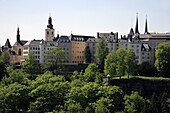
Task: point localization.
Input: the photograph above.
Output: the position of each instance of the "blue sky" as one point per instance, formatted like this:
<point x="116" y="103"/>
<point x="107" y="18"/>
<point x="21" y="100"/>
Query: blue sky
<point x="83" y="17"/>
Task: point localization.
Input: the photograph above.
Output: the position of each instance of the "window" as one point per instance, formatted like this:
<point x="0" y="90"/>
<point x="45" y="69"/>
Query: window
<point x="19" y="52"/>
<point x="47" y="32"/>
<point x="25" y="48"/>
<point x="137" y="51"/>
<point x="25" y="52"/>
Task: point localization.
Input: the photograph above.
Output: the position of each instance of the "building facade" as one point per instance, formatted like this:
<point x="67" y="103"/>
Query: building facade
<point x="144" y="45"/>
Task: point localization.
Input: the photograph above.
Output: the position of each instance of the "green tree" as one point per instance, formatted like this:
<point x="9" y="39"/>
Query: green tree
<point x="162" y="62"/>
<point x="134" y="103"/>
<point x="110" y="64"/>
<point x="48" y="91"/>
<point x="31" y="64"/>
<point x="89" y="109"/>
<point x="14" y="98"/>
<point x="75" y="108"/>
<point x="85" y="95"/>
<point x="87" y="55"/>
<point x="102" y="105"/>
<point x="101" y="52"/>
<point x="5" y="57"/>
<point x="16" y="76"/>
<point x="115" y="96"/>
<point x="91" y="73"/>
<point x="159" y="103"/>
<point x="131" y="62"/>
<point x="54" y="60"/>
<point x="164" y="104"/>
<point x="2" y="69"/>
<point x="146" y="69"/>
<point x="4" y="63"/>
<point x="121" y="64"/>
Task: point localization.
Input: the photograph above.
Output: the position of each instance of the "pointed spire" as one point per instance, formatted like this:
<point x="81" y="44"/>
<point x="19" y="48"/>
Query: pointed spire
<point x="50" y="25"/>
<point x="18" y="35"/>
<point x="18" y="31"/>
<point x="136" y="28"/>
<point x="146" y="26"/>
<point x="7" y="43"/>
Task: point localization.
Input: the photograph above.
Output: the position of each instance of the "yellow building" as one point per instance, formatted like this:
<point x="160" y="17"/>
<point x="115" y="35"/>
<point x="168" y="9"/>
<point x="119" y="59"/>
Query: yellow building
<point x="78" y="45"/>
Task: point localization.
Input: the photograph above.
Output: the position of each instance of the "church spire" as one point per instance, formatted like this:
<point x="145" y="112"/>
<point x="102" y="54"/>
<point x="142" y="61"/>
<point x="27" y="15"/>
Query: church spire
<point x="136" y="28"/>
<point x="50" y="25"/>
<point x="18" y="35"/>
<point x="146" y="27"/>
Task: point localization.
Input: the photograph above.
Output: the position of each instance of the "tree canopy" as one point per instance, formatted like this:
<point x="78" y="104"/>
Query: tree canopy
<point x="110" y="64"/>
<point x="54" y="60"/>
<point x="87" y="55"/>
<point x="31" y="65"/>
<point x="101" y="52"/>
<point x="162" y="62"/>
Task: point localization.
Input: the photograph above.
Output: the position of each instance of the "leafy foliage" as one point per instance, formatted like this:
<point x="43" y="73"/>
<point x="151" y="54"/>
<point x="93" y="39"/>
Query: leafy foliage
<point x="81" y="93"/>
<point x="53" y="60"/>
<point x="110" y="64"/>
<point x="121" y="63"/>
<point x="87" y="55"/>
<point x="31" y="64"/>
<point x="162" y="62"/>
<point x="14" y="97"/>
<point x="131" y="62"/>
<point x="101" y="52"/>
<point x="92" y="73"/>
<point x="134" y="103"/>
<point x="146" y="69"/>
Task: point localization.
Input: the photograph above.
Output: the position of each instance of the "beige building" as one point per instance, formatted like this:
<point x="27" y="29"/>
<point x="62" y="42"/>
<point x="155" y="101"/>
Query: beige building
<point x="78" y="45"/>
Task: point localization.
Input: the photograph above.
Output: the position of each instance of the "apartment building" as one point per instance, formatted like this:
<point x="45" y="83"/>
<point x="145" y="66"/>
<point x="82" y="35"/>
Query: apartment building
<point x="78" y="45"/>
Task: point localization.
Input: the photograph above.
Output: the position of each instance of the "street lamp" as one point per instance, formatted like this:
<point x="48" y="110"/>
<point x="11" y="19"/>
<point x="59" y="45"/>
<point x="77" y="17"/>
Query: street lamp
<point x="108" y="79"/>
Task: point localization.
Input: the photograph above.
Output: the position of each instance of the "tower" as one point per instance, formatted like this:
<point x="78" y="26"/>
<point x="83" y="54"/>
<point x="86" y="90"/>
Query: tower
<point x="136" y="27"/>
<point x="146" y="27"/>
<point x="49" y="32"/>
<point x="18" y="35"/>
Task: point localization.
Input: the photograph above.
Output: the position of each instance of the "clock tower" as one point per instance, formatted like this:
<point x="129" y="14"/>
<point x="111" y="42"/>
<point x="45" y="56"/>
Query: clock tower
<point x="49" y="32"/>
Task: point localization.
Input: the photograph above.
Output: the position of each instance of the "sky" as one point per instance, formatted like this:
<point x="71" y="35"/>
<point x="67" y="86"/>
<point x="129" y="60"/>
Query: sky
<point x="80" y="17"/>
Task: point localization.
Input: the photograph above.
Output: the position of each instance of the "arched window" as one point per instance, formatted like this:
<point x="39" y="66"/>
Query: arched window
<point x="19" y="52"/>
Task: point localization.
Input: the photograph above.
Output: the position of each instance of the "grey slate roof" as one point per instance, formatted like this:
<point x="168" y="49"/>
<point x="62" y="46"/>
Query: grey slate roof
<point x="7" y="44"/>
<point x="63" y="39"/>
<point x="80" y="37"/>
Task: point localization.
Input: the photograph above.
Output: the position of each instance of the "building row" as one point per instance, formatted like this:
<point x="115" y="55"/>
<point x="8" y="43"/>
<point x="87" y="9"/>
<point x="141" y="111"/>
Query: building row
<point x="144" y="45"/>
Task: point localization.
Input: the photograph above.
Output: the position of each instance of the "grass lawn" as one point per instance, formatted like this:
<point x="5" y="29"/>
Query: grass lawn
<point x="143" y="77"/>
